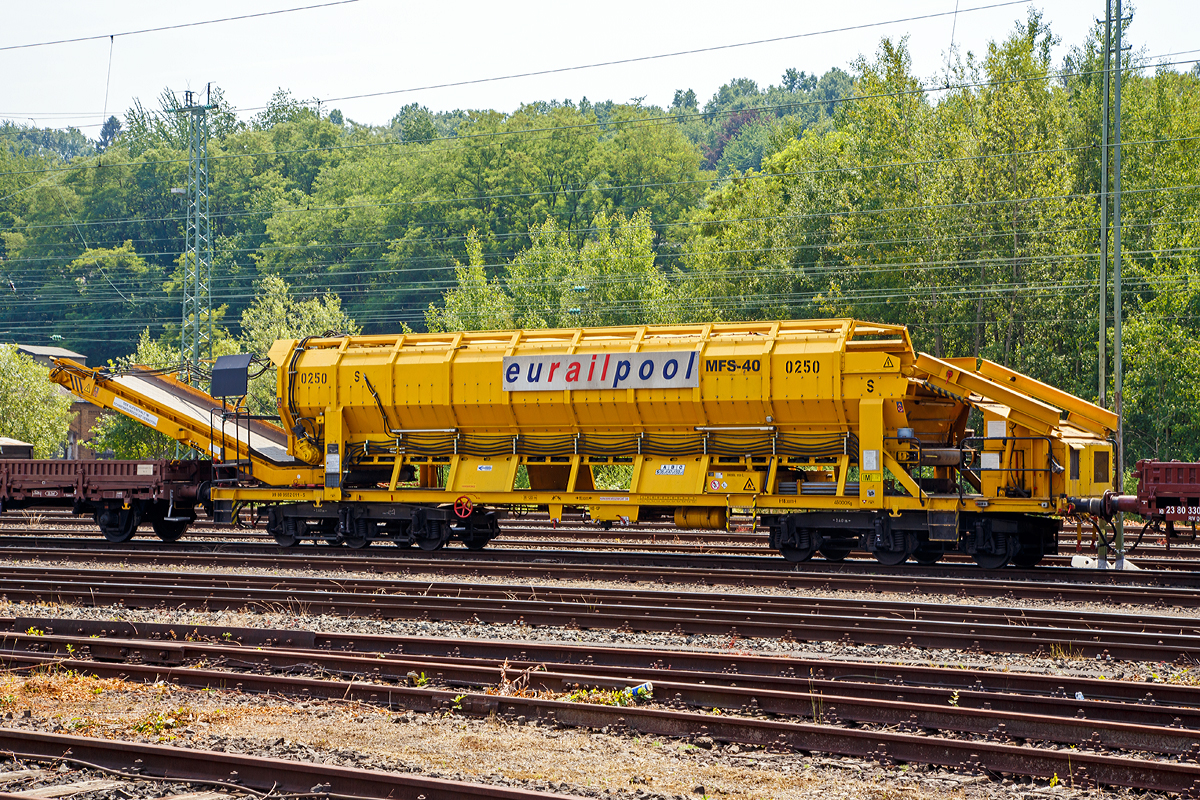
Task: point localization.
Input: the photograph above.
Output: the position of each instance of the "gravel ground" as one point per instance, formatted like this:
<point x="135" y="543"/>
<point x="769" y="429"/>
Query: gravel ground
<point x="1112" y="669"/>
<point x="570" y="761"/>
<point x="574" y="761"/>
<point x="403" y="573"/>
<point x="874" y="654"/>
<point x="60" y="774"/>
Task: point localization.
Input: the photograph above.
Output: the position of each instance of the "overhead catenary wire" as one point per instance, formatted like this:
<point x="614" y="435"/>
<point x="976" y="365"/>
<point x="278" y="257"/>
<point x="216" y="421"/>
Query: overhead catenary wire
<point x="308" y="207"/>
<point x="867" y="243"/>
<point x="339" y="244"/>
<point x="356" y="283"/>
<point x="819" y="215"/>
<point x="373" y="280"/>
<point x="177" y="26"/>
<point x="1039" y="322"/>
<point x="340" y="282"/>
<point x="108" y="76"/>
<point x="678" y="116"/>
<point x="334" y="245"/>
<point x="886" y="295"/>
<point x="535" y="73"/>
<point x="692" y="51"/>
<point x="978" y="287"/>
<point x="663" y="119"/>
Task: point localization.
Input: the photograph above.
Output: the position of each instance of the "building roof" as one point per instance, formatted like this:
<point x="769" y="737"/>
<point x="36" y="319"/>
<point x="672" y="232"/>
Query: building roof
<point x="43" y="355"/>
<point x="37" y="351"/>
<point x="14" y="448"/>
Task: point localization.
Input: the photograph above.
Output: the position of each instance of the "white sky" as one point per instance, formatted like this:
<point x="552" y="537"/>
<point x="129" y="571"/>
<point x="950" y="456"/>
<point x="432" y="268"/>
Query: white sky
<point x="385" y="45"/>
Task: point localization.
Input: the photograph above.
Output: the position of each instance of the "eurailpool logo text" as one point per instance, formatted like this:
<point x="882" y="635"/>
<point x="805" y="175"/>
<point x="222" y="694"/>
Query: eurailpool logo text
<point x="577" y="371"/>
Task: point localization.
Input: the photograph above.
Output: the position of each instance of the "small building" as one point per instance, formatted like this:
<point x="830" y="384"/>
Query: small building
<point x="86" y="414"/>
<point x="15" y="448"/>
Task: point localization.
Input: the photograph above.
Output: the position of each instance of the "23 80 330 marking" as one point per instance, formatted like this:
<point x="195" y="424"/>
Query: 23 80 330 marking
<point x="1191" y="512"/>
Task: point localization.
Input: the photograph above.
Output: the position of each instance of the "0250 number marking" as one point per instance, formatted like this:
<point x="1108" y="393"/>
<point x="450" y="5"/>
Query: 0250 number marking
<point x="802" y="366"/>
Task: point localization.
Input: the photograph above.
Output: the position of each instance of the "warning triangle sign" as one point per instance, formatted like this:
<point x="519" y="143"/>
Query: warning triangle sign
<point x="749" y="487"/>
<point x="887" y="362"/>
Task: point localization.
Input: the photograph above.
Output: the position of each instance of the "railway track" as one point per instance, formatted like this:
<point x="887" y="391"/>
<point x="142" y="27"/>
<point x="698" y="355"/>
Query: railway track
<point x="231" y="773"/>
<point x="34" y="780"/>
<point x="1149" y="588"/>
<point x="999" y="722"/>
<point x="647" y="537"/>
<point x="859" y="622"/>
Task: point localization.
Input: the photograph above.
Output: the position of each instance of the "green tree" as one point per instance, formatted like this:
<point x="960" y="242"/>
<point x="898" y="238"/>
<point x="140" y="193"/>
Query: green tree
<point x="116" y="278"/>
<point x="414" y="123"/>
<point x="743" y="260"/>
<point x="32" y="409"/>
<point x="746" y="150"/>
<point x="612" y="279"/>
<point x="475" y="303"/>
<point x="59" y="144"/>
<point x="281" y="108"/>
<point x="108" y="133"/>
<point x="1162" y="401"/>
<point x="276" y="314"/>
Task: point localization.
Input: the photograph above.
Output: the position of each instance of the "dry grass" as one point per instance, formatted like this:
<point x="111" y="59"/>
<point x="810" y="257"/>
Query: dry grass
<point x="52" y="684"/>
<point x="115" y="709"/>
<point x="104" y="707"/>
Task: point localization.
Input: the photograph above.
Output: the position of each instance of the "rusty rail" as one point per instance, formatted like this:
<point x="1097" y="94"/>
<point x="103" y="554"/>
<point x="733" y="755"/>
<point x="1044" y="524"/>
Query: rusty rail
<point x="1171" y="587"/>
<point x="264" y="774"/>
<point x="935" y="625"/>
<point x="1081" y="767"/>
<point x="1117" y="726"/>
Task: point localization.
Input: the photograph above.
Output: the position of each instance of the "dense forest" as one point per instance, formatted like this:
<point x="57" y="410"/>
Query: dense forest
<point x="965" y="206"/>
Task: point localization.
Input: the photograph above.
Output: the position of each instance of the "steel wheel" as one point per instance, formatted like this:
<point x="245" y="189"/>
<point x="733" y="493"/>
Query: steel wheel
<point x="835" y="551"/>
<point x="356" y="541"/>
<point x="928" y="556"/>
<point x="797" y="554"/>
<point x="1028" y="557"/>
<point x="996" y="560"/>
<point x="284" y="539"/>
<point x="117" y="524"/>
<point x="890" y="558"/>
<point x="169" y="530"/>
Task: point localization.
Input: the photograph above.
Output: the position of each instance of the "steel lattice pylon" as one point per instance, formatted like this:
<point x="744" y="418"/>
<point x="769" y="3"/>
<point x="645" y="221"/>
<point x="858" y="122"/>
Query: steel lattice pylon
<point x="196" y="331"/>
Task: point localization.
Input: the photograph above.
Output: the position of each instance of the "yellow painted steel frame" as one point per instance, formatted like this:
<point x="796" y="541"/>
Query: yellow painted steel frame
<point x="447" y="385"/>
<point x="837" y="377"/>
<point x="623" y="504"/>
<point x="1027" y="443"/>
<point x="98" y="388"/>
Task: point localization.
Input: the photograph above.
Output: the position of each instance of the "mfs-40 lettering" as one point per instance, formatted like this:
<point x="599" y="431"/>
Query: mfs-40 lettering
<point x="795" y="366"/>
<point x="731" y="365"/>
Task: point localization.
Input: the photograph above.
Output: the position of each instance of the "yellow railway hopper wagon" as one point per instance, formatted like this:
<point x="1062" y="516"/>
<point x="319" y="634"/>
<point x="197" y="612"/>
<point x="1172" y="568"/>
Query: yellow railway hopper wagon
<point x="835" y="432"/>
